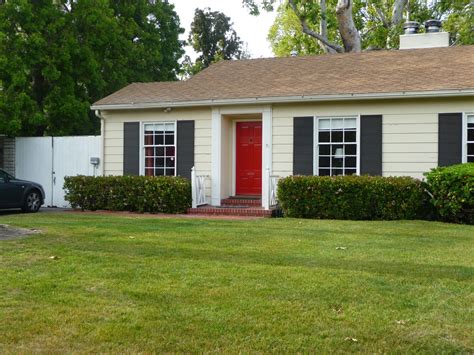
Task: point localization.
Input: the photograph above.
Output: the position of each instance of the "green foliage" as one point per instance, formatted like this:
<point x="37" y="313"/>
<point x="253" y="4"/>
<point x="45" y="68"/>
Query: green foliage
<point x="58" y="57"/>
<point x="213" y="36"/>
<point x="452" y="189"/>
<point x="286" y="36"/>
<point x="352" y="197"/>
<point x="129" y="193"/>
<point x="373" y="19"/>
<point x="459" y="19"/>
<point x="377" y="29"/>
<point x="254" y="6"/>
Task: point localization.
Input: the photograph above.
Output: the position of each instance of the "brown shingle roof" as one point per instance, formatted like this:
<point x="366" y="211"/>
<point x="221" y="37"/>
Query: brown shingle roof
<point x="415" y="70"/>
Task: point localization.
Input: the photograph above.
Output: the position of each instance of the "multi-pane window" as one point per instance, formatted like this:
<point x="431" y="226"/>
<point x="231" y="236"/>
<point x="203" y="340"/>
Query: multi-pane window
<point x="336" y="148"/>
<point x="160" y="149"/>
<point x="470" y="139"/>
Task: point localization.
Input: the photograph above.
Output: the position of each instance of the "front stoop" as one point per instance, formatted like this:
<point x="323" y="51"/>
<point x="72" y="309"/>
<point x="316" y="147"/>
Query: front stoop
<point x="234" y="206"/>
<point x="224" y="211"/>
<point x="242" y="201"/>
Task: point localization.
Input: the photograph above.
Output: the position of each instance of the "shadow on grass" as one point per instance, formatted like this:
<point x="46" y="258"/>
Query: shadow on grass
<point x="211" y="244"/>
<point x="247" y="258"/>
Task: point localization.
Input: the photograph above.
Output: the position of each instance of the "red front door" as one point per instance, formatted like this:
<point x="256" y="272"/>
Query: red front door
<point x="248" y="158"/>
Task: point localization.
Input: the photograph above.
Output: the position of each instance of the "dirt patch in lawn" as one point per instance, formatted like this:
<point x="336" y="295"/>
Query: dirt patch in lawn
<point x="7" y="232"/>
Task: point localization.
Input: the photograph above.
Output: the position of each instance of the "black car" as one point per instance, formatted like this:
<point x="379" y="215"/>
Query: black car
<point x="15" y="193"/>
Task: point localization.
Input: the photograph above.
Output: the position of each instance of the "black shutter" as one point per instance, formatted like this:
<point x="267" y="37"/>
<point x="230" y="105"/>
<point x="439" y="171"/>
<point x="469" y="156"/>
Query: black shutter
<point x="185" y="147"/>
<point x="303" y="147"/>
<point x="131" y="148"/>
<point x="449" y="139"/>
<point x="371" y="144"/>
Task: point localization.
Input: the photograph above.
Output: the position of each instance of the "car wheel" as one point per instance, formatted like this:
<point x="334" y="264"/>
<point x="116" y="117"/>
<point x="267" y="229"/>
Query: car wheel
<point x="32" y="202"/>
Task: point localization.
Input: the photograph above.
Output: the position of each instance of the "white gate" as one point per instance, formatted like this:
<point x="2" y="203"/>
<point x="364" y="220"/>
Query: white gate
<point x="33" y="161"/>
<point x="47" y="160"/>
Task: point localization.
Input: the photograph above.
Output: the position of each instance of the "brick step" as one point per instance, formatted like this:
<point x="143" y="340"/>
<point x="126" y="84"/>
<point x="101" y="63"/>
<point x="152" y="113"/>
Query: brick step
<point x="229" y="211"/>
<point x="232" y="201"/>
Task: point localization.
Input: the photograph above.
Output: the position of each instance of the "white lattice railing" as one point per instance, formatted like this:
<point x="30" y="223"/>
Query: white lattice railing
<point x="198" y="188"/>
<point x="273" y="184"/>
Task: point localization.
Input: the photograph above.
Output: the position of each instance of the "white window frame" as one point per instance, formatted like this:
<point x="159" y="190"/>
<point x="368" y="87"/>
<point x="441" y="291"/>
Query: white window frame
<point x="316" y="140"/>
<point x="464" y="135"/>
<point x="142" y="144"/>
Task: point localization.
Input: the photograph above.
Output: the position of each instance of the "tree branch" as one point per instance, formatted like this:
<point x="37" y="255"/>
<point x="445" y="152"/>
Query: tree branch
<point x="397" y="12"/>
<point x="323" y="26"/>
<point x="379" y="14"/>
<point x="304" y="25"/>
<point x="382" y="17"/>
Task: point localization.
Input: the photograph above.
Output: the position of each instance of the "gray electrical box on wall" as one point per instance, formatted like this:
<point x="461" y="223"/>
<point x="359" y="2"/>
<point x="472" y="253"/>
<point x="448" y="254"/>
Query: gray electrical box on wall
<point x="95" y="161"/>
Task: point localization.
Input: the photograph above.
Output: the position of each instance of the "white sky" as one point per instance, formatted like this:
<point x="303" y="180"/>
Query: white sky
<point x="252" y="30"/>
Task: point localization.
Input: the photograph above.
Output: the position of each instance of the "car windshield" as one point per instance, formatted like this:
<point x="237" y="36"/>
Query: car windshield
<point x="5" y="176"/>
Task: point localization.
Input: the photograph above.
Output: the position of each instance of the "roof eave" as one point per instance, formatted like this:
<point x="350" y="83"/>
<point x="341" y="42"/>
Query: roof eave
<point x="287" y="99"/>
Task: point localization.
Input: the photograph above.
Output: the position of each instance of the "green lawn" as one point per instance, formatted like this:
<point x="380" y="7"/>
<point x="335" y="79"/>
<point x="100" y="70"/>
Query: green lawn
<point x="143" y="284"/>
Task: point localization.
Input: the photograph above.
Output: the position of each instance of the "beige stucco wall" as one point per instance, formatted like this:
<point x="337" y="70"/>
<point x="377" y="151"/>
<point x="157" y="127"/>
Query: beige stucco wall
<point x="410" y="133"/>
<point x="227" y="141"/>
<point x="410" y="130"/>
<point x="113" y="134"/>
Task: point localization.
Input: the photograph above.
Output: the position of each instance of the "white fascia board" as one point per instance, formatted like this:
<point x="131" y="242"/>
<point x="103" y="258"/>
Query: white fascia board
<point x="288" y="99"/>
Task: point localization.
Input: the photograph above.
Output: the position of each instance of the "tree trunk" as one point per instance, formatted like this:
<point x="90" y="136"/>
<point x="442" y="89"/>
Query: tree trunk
<point x="349" y="34"/>
<point x="397" y="13"/>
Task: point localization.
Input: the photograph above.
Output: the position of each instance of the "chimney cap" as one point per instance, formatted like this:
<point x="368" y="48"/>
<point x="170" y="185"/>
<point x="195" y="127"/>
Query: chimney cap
<point x="411" y="27"/>
<point x="432" y="25"/>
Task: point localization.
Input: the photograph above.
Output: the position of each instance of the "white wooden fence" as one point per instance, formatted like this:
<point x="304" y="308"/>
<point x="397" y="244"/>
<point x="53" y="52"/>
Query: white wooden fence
<point x="47" y="160"/>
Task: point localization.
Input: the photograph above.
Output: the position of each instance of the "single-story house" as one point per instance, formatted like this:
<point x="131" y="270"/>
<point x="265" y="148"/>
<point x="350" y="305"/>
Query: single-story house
<point x="242" y="124"/>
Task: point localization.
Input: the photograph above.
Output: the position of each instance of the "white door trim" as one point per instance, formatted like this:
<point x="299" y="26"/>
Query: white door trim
<point x="216" y="152"/>
<point x="267" y="152"/>
<point x="216" y="149"/>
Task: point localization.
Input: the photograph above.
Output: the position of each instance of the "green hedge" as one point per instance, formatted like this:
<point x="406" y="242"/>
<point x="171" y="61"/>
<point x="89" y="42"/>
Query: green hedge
<point x="452" y="190"/>
<point x="166" y="194"/>
<point x="352" y="197"/>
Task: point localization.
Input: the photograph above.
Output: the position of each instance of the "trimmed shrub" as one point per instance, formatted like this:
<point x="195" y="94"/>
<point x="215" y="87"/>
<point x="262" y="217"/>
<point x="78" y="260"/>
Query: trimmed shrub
<point x="452" y="191"/>
<point x="352" y="197"/>
<point x="166" y="194"/>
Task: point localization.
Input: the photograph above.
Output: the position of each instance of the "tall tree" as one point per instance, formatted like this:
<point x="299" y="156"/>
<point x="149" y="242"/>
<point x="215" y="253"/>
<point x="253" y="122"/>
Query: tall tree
<point x="214" y="38"/>
<point x="458" y="19"/>
<point x="351" y="25"/>
<point x="57" y="57"/>
<point x="286" y="36"/>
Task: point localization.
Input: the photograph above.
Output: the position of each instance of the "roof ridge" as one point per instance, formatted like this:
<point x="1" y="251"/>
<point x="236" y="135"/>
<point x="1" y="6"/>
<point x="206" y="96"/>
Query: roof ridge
<point x="327" y="55"/>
